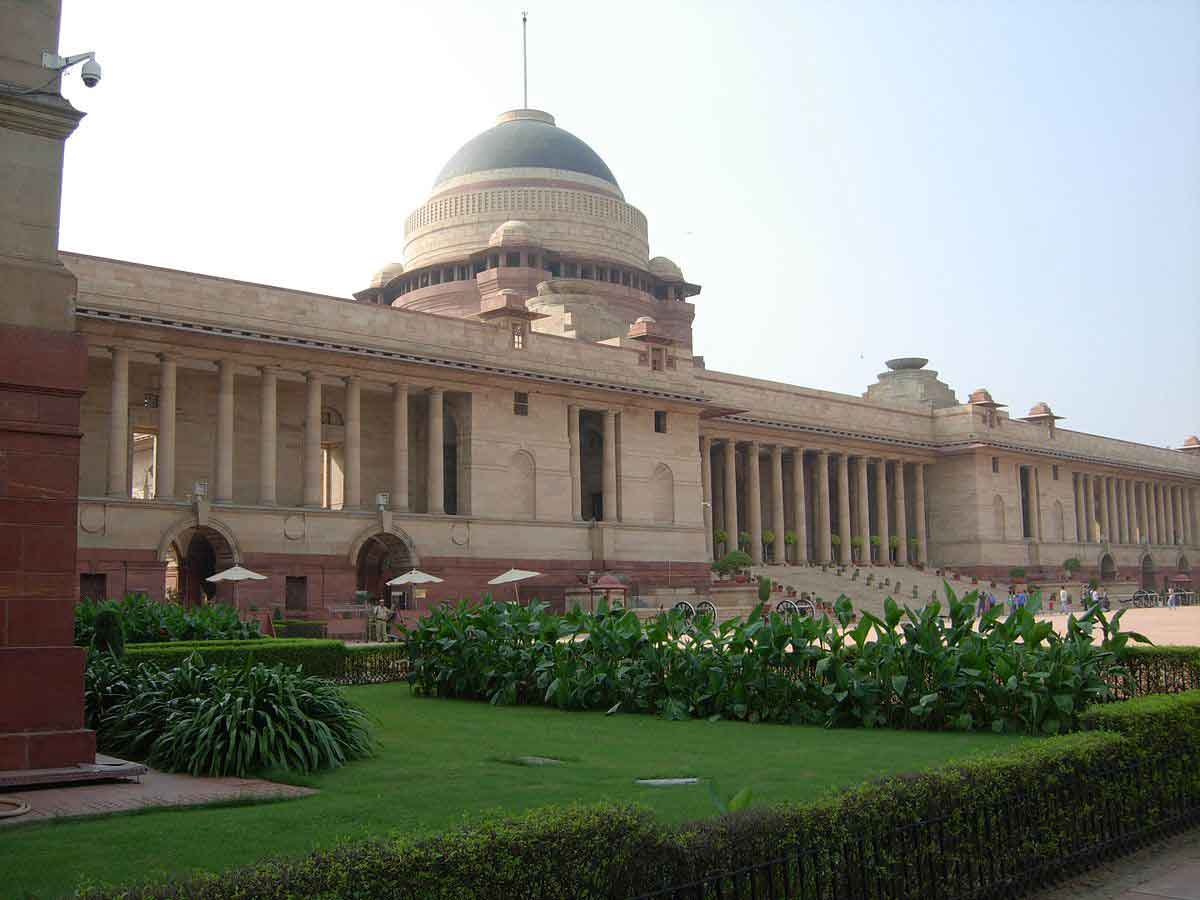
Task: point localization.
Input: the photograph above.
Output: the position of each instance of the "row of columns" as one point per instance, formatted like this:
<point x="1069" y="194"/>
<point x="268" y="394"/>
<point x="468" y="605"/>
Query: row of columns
<point x="823" y="520"/>
<point x="1123" y="511"/>
<point x="118" y="445"/>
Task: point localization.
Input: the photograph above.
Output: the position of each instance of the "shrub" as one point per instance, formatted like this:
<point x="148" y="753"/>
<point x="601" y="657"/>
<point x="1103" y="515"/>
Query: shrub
<point x="295" y="628"/>
<point x="764" y="589"/>
<point x="732" y="562"/>
<point x="1016" y="573"/>
<point x="1159" y="670"/>
<point x="1159" y="724"/>
<point x="1013" y="674"/>
<point x="145" y="620"/>
<point x="228" y="720"/>
<point x="1071" y="565"/>
<point x="108" y="635"/>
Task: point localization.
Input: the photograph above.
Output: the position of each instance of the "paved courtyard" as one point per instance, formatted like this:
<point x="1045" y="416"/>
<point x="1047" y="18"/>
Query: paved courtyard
<point x="1162" y="626"/>
<point x="1169" y="870"/>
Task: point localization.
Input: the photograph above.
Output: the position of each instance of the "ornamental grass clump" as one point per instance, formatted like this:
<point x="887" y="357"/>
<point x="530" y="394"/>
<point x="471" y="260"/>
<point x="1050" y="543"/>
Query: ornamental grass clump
<point x="222" y="720"/>
<point x="147" y="621"/>
<point x="909" y="669"/>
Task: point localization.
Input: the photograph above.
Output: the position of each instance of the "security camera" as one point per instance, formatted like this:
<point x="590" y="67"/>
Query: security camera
<point x="90" y="73"/>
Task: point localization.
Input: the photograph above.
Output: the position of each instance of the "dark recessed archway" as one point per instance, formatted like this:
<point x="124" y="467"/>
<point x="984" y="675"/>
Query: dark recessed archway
<point x="1108" y="568"/>
<point x="201" y="552"/>
<point x="381" y="558"/>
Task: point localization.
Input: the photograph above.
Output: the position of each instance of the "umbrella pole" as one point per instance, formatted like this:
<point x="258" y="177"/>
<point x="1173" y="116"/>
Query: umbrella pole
<point x="517" y="592"/>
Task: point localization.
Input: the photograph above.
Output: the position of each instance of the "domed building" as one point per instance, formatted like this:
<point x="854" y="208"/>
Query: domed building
<point x="529" y="207"/>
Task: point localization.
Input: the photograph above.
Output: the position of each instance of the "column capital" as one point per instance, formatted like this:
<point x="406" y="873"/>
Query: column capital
<point x="352" y="379"/>
<point x="434" y="389"/>
<point x="167" y="357"/>
<point x="269" y="370"/>
<point x="401" y="386"/>
<point x="311" y="375"/>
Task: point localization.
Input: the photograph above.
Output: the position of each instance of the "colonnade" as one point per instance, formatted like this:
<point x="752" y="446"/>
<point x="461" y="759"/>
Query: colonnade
<point x="832" y="511"/>
<point x="1115" y="510"/>
<point x="223" y="486"/>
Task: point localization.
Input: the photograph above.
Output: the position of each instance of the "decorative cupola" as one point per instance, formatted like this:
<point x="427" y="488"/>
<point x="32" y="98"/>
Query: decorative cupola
<point x="1191" y="446"/>
<point x="981" y="400"/>
<point x="506" y="309"/>
<point x="657" y="344"/>
<point x="673" y="286"/>
<point x="1041" y="414"/>
<point x="374" y="292"/>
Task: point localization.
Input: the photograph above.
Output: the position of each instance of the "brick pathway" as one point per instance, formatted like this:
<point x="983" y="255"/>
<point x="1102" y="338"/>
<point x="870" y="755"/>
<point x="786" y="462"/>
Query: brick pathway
<point x="154" y="789"/>
<point x="1169" y="870"/>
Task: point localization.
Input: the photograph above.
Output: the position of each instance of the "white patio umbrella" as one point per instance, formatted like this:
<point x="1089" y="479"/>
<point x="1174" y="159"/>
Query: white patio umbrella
<point x="235" y="574"/>
<point x="415" y="576"/>
<point x="513" y="576"/>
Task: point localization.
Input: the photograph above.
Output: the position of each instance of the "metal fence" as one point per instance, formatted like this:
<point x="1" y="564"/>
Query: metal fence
<point x="995" y="850"/>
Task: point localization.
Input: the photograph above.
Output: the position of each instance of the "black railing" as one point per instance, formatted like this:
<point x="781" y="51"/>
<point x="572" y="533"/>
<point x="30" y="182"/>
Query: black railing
<point x="998" y="850"/>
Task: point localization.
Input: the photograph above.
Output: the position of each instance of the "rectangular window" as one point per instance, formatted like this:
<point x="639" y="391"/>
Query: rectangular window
<point x="296" y="593"/>
<point x="520" y="404"/>
<point x="518" y="335"/>
<point x="150" y="400"/>
<point x="512" y="260"/>
<point x="94" y="587"/>
<point x="399" y="599"/>
<point x="995" y="465"/>
<point x="144" y="464"/>
<point x="660" y="421"/>
<point x="1054" y="472"/>
<point x="656" y="359"/>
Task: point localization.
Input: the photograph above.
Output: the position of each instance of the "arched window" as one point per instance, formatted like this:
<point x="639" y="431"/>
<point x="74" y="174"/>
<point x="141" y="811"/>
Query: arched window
<point x="522" y="485"/>
<point x="330" y="416"/>
<point x="662" y="494"/>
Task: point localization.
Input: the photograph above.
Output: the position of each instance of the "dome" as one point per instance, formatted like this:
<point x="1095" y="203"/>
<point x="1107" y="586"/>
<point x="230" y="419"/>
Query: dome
<point x="904" y="363"/>
<point x="645" y="320"/>
<point x="1192" y="441"/>
<point x="386" y="274"/>
<point x="1040" y="409"/>
<point x="663" y="268"/>
<point x="981" y="395"/>
<point x="513" y="233"/>
<point x="525" y="139"/>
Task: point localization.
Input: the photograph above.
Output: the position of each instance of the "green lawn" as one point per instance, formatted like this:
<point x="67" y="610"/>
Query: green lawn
<point x="441" y="760"/>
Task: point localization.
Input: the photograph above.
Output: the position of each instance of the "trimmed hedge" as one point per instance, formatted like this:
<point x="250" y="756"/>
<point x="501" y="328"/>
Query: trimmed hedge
<point x="990" y="826"/>
<point x="324" y="658"/>
<point x="1159" y="670"/>
<point x="300" y="628"/>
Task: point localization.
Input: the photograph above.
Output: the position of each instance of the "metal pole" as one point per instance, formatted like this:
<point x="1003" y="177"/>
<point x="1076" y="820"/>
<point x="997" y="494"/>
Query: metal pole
<point x="524" y="61"/>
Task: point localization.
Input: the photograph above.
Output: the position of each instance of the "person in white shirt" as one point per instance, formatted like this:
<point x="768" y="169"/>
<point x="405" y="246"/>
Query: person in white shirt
<point x="1064" y="600"/>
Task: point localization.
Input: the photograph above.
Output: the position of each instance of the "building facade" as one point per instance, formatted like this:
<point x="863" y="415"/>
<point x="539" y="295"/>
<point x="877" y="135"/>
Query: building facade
<point x="521" y="390"/>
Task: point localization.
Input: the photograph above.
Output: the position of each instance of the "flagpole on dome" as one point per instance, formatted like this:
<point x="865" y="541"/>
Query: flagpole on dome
<point x="524" y="59"/>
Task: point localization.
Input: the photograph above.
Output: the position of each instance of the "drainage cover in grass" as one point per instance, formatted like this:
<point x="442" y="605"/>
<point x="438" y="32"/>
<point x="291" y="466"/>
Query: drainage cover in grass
<point x="666" y="782"/>
<point x="530" y="760"/>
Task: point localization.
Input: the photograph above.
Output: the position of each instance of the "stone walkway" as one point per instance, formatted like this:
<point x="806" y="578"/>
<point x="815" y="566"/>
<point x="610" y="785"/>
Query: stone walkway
<point x="1169" y="870"/>
<point x="154" y="789"/>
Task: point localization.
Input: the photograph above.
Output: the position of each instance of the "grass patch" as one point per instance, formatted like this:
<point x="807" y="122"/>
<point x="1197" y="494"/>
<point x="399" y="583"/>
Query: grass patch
<point x="437" y="763"/>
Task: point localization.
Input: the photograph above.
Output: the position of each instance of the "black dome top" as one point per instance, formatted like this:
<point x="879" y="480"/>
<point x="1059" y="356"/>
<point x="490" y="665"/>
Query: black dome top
<point x="525" y="139"/>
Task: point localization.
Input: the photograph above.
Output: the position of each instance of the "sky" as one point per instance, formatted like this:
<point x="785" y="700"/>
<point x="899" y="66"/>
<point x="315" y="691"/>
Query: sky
<point x="1011" y="189"/>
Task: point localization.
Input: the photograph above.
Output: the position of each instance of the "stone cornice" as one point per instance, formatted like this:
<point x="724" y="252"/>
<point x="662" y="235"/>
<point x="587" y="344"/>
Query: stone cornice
<point x="381" y="354"/>
<point x="43" y="115"/>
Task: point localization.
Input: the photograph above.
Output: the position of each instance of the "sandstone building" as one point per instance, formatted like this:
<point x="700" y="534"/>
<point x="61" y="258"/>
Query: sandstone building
<point x="522" y="389"/>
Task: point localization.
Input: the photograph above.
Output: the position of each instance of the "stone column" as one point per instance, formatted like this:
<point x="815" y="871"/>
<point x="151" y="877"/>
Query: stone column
<point x="706" y="506"/>
<point x="1037" y="502"/>
<point x="1089" y="514"/>
<point x="118" y="425"/>
<point x="1119" y="510"/>
<point x="881" y="510"/>
<point x="1105" y="517"/>
<point x="1139" y="496"/>
<point x="576" y="484"/>
<point x="1189" y="525"/>
<point x="399" y="498"/>
<point x="223" y="492"/>
<point x="164" y="475"/>
<point x="312" y="439"/>
<point x="268" y="427"/>
<point x="754" y="502"/>
<point x="778" y="520"/>
<point x="609" y="481"/>
<point x="1155" y="524"/>
<point x="1080" y="516"/>
<point x="1173" y="505"/>
<point x="844" y="532"/>
<point x="919" y="513"/>
<point x="1110" y="502"/>
<point x="731" y="511"/>
<point x="799" y="505"/>
<point x="864" y="509"/>
<point x="901" y="515"/>
<point x="436" y="481"/>
<point x="352" y="491"/>
<point x="824" y="520"/>
<point x="1129" y="511"/>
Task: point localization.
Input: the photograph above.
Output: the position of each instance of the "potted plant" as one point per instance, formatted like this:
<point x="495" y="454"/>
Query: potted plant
<point x="733" y="564"/>
<point x="744" y="540"/>
<point x="913" y="546"/>
<point x="1071" y="566"/>
<point x="893" y="546"/>
<point x="768" y="540"/>
<point x="875" y="543"/>
<point x="1016" y="573"/>
<point x="836" y="541"/>
<point x="790" y="539"/>
<point x="720" y="538"/>
<point x="856" y="547"/>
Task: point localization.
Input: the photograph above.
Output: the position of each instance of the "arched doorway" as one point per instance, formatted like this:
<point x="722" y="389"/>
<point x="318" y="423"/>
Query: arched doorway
<point x="381" y="558"/>
<point x="200" y="552"/>
<point x="1147" y="572"/>
<point x="1108" y="568"/>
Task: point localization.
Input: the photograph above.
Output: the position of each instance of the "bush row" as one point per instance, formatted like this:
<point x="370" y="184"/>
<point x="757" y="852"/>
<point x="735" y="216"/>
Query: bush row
<point x="1159" y="670"/>
<point x="221" y="720"/>
<point x="910" y="669"/>
<point x="990" y="826"/>
<point x="324" y="658"/>
<point x="144" y="621"/>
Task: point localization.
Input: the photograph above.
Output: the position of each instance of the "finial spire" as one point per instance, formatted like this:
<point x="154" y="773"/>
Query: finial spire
<point x="524" y="60"/>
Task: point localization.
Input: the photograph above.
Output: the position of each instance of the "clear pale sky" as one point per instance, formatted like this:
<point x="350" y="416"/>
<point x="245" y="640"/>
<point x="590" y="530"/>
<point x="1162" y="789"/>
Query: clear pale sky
<point x="1011" y="189"/>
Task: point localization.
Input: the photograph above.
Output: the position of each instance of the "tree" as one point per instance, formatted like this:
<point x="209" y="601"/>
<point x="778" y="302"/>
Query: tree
<point x="744" y="540"/>
<point x="720" y="537"/>
<point x="1071" y="566"/>
<point x="732" y="563"/>
<point x="893" y="544"/>
<point x="768" y="539"/>
<point x="856" y="544"/>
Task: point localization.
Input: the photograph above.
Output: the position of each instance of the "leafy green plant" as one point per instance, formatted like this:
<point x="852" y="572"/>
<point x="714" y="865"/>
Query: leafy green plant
<point x="764" y="589"/>
<point x="790" y="538"/>
<point x="1016" y="573"/>
<point x="108" y="635"/>
<point x="720" y="537"/>
<point x="215" y="720"/>
<point x="744" y="540"/>
<point x="733" y="562"/>
<point x="737" y="802"/>
<point x="145" y="620"/>
<point x="835" y="539"/>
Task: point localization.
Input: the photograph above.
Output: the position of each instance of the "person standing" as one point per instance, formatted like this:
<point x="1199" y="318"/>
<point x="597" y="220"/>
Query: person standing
<point x="1064" y="600"/>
